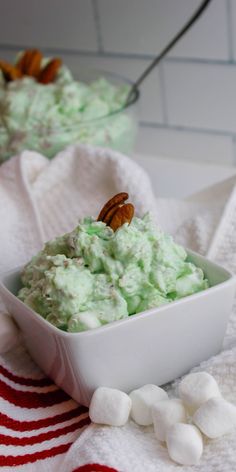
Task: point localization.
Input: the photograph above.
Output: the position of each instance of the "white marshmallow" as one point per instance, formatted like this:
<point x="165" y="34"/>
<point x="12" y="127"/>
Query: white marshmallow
<point x="195" y="389"/>
<point x="109" y="406"/>
<point x="166" y="413"/>
<point x="142" y="401"/>
<point x="9" y="333"/>
<point x="184" y="443"/>
<point x="215" y="417"/>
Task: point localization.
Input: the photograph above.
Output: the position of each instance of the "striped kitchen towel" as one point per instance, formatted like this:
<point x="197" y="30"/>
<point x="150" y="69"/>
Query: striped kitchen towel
<point x="38" y="421"/>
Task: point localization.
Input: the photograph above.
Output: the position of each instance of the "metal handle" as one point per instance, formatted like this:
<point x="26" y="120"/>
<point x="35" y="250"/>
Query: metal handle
<point x="167" y="48"/>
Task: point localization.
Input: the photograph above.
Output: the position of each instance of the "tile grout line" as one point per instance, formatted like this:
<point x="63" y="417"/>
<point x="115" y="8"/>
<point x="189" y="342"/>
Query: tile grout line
<point x="234" y="149"/>
<point x="230" y="30"/>
<point x="163" y="94"/>
<point x="184" y="129"/>
<point x="114" y="55"/>
<point x="96" y="16"/>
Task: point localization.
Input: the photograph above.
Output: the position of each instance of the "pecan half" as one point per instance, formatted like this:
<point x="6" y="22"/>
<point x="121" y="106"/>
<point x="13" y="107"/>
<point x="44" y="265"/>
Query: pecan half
<point x="124" y="214"/>
<point x="30" y="62"/>
<point x="115" y="201"/>
<point x="49" y="72"/>
<point x="10" y="72"/>
<point x="21" y="63"/>
<point x="115" y="212"/>
<point x="34" y="63"/>
<point x="107" y="218"/>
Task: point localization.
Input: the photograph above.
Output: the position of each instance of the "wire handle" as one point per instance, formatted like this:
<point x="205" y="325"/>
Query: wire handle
<point x="169" y="46"/>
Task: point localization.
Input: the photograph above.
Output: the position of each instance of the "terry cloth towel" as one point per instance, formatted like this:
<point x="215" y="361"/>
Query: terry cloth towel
<point x="41" y="428"/>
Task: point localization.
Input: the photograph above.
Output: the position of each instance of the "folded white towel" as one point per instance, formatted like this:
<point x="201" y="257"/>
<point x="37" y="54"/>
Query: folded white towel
<point x="40" y="199"/>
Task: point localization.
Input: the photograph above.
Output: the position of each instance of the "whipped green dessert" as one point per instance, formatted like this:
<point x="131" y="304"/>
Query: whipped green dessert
<point x="46" y="118"/>
<point x="94" y="275"/>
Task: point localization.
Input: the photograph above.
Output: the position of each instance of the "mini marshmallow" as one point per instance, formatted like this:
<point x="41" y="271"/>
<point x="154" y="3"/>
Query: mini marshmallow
<point x="142" y="401"/>
<point x="196" y="389"/>
<point x="109" y="406"/>
<point x="215" y="417"/>
<point x="184" y="444"/>
<point x="165" y="414"/>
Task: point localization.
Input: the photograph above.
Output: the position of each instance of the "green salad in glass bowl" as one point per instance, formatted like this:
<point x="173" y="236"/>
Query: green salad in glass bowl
<point x="46" y="117"/>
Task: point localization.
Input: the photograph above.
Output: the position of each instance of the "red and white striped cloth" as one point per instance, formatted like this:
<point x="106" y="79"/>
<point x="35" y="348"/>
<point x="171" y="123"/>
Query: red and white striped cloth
<point x="41" y="199"/>
<point x="38" y="421"/>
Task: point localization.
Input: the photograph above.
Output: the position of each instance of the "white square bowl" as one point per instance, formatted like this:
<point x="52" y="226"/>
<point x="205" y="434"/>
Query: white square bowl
<point x="155" y="346"/>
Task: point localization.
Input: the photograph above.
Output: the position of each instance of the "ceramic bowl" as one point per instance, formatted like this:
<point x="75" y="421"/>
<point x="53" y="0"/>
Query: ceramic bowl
<point x="155" y="346"/>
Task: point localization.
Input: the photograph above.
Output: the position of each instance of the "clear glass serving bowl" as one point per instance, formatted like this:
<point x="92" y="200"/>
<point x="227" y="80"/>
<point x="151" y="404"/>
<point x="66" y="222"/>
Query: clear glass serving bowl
<point x="115" y="130"/>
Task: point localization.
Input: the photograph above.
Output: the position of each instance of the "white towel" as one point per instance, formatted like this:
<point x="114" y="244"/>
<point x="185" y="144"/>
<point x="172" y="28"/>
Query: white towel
<point x="40" y="199"/>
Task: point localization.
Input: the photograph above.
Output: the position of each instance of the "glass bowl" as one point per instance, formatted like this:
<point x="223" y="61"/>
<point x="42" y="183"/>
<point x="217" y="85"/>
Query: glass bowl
<point x="116" y="130"/>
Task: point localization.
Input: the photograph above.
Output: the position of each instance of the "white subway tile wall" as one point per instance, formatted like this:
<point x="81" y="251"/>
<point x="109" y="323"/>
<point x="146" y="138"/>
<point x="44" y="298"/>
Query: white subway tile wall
<point x="145" y="27"/>
<point x="232" y="26"/>
<point x="181" y="144"/>
<point x="208" y="38"/>
<point x="54" y="23"/>
<point x="188" y="104"/>
<point x="201" y="97"/>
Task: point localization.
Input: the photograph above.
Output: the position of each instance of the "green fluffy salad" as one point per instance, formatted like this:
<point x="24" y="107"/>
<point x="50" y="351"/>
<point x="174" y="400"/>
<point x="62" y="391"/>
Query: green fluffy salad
<point x="93" y="275"/>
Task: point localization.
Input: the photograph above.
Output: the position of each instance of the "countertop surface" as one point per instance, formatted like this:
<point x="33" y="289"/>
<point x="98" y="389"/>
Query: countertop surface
<point x="180" y="178"/>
